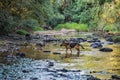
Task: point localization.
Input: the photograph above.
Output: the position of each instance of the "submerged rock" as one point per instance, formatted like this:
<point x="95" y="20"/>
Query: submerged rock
<point x="115" y="77"/>
<point x="106" y="49"/>
<point x="56" y="53"/>
<point x="34" y="78"/>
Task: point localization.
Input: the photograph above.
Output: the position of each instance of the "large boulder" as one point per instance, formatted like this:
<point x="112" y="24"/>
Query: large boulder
<point x="109" y="39"/>
<point x="106" y="49"/>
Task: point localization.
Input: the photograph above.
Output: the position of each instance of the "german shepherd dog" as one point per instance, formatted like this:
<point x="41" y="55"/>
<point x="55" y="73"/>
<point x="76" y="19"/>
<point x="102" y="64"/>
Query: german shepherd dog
<point x="70" y="46"/>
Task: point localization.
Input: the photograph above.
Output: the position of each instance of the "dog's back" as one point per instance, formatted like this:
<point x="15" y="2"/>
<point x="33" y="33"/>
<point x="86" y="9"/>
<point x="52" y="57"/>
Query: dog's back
<point x="72" y="45"/>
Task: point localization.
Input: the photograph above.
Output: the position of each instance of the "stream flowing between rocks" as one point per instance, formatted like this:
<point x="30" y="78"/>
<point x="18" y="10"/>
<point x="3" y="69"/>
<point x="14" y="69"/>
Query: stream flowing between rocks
<point x="90" y="65"/>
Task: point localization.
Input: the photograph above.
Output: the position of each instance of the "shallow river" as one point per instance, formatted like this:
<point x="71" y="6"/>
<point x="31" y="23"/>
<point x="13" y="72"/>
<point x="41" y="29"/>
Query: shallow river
<point x="91" y="61"/>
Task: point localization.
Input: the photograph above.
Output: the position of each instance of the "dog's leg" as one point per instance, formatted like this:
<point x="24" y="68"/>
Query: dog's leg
<point x="78" y="49"/>
<point x="78" y="53"/>
<point x="71" y="52"/>
<point x="66" y="53"/>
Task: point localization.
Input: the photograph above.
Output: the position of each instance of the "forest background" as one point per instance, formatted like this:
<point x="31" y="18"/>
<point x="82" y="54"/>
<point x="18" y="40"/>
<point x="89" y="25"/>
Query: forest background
<point x="82" y="15"/>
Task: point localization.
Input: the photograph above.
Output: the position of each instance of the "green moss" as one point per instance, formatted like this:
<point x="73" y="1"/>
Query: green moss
<point x="21" y="32"/>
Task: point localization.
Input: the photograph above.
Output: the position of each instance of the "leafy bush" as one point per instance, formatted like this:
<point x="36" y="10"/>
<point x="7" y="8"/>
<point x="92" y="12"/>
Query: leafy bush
<point x="31" y="24"/>
<point x="54" y="21"/>
<point x="37" y="28"/>
<point x="7" y="22"/>
<point x="77" y="27"/>
<point x="110" y="28"/>
<point x="22" y="32"/>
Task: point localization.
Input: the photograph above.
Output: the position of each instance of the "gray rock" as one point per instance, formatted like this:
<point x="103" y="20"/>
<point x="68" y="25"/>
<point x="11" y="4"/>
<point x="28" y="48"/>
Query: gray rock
<point x="34" y="78"/>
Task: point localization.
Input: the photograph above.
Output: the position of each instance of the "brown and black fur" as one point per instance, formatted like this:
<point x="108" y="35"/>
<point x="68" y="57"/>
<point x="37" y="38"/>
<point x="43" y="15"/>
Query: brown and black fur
<point x="70" y="46"/>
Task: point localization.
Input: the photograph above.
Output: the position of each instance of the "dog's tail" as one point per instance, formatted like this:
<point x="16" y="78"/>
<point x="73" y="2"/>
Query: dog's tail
<point x="81" y="46"/>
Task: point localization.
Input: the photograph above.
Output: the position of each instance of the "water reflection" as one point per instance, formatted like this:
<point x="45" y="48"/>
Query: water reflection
<point x="115" y="59"/>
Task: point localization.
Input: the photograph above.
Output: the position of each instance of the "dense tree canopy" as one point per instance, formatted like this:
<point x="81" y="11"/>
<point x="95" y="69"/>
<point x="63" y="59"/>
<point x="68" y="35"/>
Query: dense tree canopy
<point x="23" y="14"/>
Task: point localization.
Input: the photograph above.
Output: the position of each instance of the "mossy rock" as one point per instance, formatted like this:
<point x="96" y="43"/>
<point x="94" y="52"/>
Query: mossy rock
<point x="116" y="39"/>
<point x="22" y="32"/>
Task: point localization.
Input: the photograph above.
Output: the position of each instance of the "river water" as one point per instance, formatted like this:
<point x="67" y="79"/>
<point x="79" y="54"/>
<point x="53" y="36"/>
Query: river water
<point x="91" y="61"/>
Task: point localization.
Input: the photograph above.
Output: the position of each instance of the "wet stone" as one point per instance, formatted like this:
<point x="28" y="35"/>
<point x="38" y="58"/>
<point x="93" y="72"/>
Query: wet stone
<point x="52" y="70"/>
<point x="106" y="49"/>
<point x="74" y="70"/>
<point x="109" y="39"/>
<point x="34" y="78"/>
<point x="96" y="45"/>
<point x="62" y="75"/>
<point x="45" y="69"/>
<point x="46" y="51"/>
<point x="50" y="64"/>
<point x="115" y="77"/>
<point x="56" y="53"/>
<point x="25" y="71"/>
<point x="63" y="70"/>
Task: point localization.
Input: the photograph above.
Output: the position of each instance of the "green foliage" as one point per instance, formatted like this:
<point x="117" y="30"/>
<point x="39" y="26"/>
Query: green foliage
<point x="7" y="22"/>
<point x="116" y="39"/>
<point x="110" y="28"/>
<point x="101" y="2"/>
<point x="31" y="24"/>
<point x="83" y="11"/>
<point x="22" y="32"/>
<point x="55" y="20"/>
<point x="78" y="27"/>
<point x="17" y="14"/>
<point x="37" y="29"/>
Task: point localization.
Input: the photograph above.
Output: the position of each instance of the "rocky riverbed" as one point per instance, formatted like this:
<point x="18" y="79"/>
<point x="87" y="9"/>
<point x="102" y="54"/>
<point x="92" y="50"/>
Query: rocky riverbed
<point x="37" y="63"/>
<point x="28" y="69"/>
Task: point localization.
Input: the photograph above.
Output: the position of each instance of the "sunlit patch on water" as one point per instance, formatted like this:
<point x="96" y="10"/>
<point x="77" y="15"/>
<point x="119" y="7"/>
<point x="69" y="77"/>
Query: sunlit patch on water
<point x="115" y="59"/>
